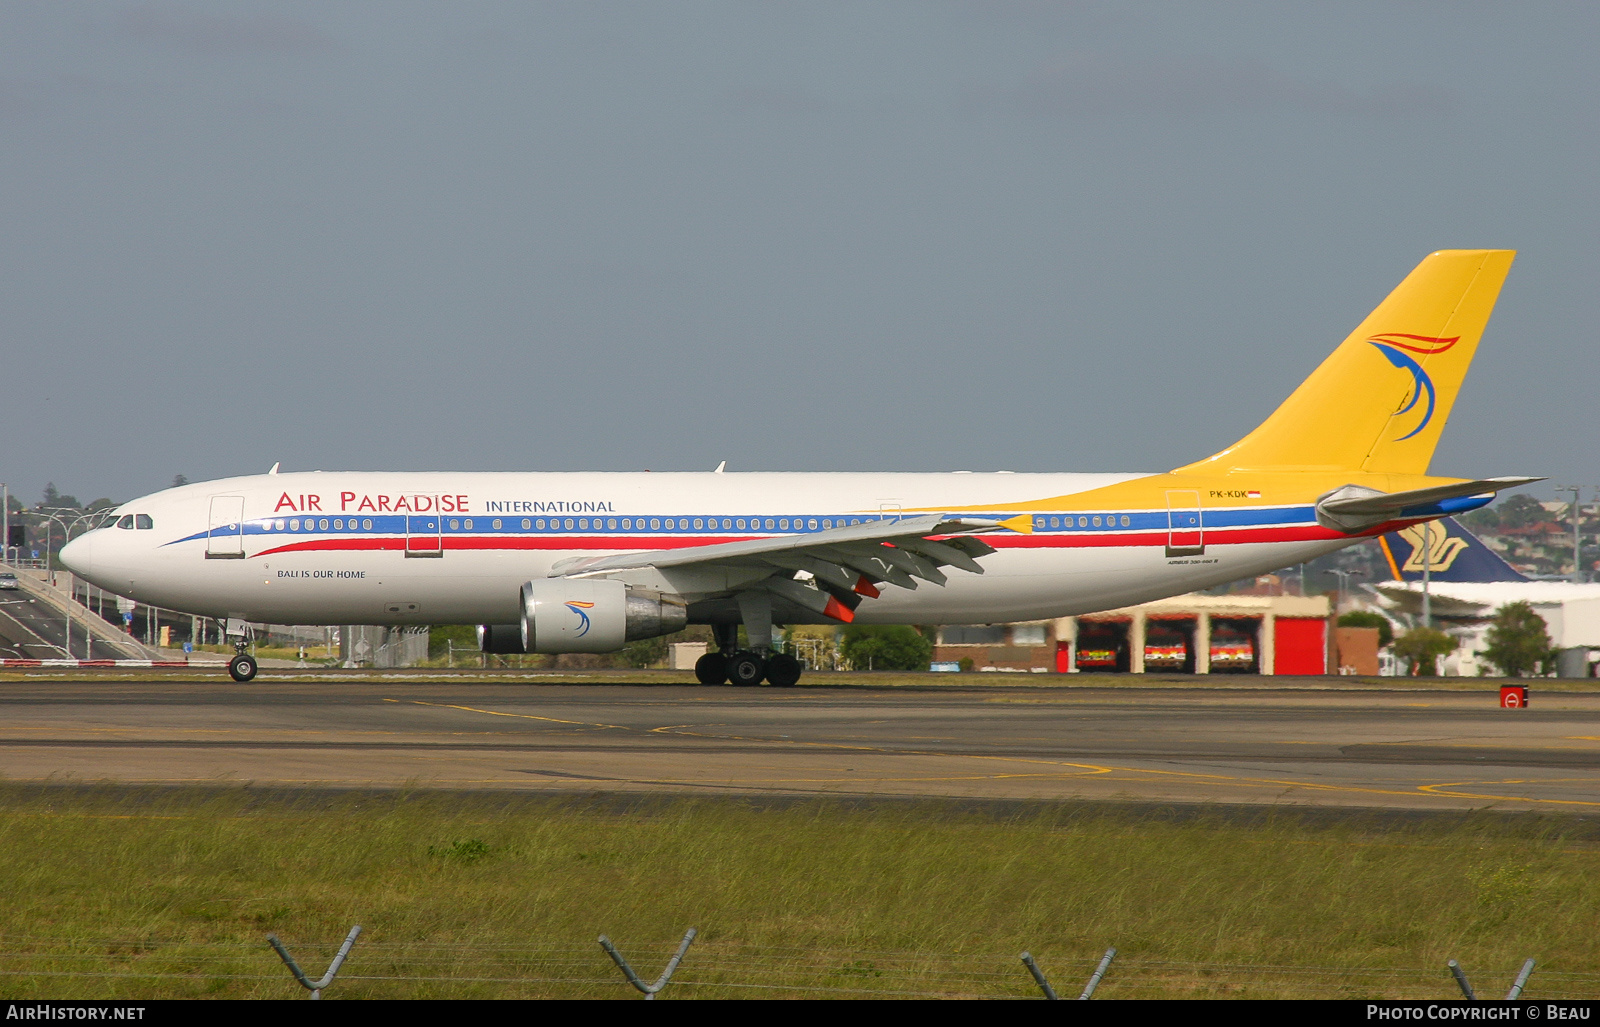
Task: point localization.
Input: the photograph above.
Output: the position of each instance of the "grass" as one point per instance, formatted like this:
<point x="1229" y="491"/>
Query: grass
<point x="169" y="893"/>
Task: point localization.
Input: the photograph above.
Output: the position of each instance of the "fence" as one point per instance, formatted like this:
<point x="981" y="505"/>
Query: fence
<point x="362" y="967"/>
<point x="383" y="647"/>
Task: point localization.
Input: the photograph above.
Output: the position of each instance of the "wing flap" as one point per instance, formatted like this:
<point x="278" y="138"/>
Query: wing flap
<point x="875" y="532"/>
<point x="836" y="568"/>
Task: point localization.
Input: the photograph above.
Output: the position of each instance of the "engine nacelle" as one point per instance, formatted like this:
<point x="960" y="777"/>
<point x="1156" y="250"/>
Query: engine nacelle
<point x="594" y="615"/>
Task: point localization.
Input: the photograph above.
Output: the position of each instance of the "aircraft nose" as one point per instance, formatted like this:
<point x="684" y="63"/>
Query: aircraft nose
<point x="77" y="556"/>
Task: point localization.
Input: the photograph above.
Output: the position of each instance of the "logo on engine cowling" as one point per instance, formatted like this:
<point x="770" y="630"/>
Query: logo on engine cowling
<point x="578" y="608"/>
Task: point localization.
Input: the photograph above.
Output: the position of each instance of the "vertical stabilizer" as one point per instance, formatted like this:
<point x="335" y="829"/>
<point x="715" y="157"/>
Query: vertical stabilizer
<point x="1453" y="554"/>
<point x="1379" y="402"/>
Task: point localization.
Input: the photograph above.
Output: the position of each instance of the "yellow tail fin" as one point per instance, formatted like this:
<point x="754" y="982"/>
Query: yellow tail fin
<point x="1378" y="403"/>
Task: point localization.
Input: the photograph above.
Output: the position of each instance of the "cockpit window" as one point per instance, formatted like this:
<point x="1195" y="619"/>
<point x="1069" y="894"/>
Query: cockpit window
<point x="126" y="522"/>
<point x="143" y="522"/>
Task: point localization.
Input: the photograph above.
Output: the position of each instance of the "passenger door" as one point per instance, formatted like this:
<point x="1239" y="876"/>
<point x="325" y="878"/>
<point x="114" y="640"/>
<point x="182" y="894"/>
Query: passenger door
<point x="225" y="530"/>
<point x="1185" y="534"/>
<point x="424" y="531"/>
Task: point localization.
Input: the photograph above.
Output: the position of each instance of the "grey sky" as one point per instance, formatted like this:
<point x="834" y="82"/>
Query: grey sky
<point x="898" y="236"/>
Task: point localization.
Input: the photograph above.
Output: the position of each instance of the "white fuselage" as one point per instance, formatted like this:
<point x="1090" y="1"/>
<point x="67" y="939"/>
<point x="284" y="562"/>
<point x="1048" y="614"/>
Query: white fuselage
<point x="443" y="547"/>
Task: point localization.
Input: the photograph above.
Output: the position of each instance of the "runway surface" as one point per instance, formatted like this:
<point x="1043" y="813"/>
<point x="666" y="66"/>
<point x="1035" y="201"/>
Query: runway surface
<point x="1337" y="747"/>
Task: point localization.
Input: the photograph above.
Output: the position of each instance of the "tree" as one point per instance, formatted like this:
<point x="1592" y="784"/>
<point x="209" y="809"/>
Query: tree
<point x="1518" y="640"/>
<point x="1520" y="511"/>
<point x="1421" y="648"/>
<point x="1369" y="619"/>
<point x="54" y="499"/>
<point x="885" y="647"/>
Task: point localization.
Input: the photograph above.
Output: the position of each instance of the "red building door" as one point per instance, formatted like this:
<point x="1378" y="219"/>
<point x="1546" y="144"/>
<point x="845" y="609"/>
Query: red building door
<point x="1300" y="645"/>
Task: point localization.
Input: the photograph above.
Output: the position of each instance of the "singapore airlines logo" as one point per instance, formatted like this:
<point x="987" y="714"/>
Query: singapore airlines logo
<point x="1394" y="345"/>
<point x="1431" y="538"/>
<point x="578" y="608"/>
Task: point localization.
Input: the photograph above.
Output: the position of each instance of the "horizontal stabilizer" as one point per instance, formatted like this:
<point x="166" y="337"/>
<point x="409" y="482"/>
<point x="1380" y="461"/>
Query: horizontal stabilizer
<point x="1354" y="508"/>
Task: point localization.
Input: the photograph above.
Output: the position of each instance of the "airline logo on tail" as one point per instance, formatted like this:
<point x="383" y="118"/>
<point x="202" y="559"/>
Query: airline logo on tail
<point x="1392" y="345"/>
<point x="1440" y="547"/>
<point x="1451" y="552"/>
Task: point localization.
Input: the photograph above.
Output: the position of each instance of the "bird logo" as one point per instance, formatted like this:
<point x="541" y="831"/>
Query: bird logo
<point x="578" y="608"/>
<point x="1393" y="346"/>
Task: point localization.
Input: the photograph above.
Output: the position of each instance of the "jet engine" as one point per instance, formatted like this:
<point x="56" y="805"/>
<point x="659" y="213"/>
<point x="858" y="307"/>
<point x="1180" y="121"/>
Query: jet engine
<point x="500" y="638"/>
<point x="584" y="615"/>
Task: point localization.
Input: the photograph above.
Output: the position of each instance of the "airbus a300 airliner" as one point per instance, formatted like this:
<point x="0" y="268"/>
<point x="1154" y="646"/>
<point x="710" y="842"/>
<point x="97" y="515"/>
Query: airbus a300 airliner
<point x="578" y="562"/>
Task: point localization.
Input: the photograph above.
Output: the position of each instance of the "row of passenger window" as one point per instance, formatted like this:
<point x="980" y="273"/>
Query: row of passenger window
<point x="1108" y="521"/>
<point x="624" y="523"/>
<point x="421" y="523"/>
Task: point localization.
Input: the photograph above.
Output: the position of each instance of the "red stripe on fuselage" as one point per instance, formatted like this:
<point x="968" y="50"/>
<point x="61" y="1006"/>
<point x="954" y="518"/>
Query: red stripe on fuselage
<point x="1107" y="540"/>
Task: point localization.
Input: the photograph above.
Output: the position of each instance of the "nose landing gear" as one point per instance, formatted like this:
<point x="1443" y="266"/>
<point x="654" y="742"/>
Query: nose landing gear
<point x="243" y="666"/>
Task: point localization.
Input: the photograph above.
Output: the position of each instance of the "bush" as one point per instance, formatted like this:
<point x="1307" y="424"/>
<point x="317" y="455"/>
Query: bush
<point x="885" y="647"/>
<point x="1369" y="619"/>
<point x="646" y="652"/>
<point x="1421" y="648"/>
<point x="442" y="636"/>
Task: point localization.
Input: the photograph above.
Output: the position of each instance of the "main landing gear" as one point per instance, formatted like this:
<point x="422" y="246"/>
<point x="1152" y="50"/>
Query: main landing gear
<point x="744" y="667"/>
<point x="730" y="664"/>
<point x="243" y="666"/>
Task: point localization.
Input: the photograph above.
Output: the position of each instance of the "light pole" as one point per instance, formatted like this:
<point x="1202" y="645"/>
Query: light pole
<point x="1577" y="528"/>
<point x="1427" y="573"/>
<point x="1344" y="583"/>
<point x="66" y="536"/>
<point x="67" y="630"/>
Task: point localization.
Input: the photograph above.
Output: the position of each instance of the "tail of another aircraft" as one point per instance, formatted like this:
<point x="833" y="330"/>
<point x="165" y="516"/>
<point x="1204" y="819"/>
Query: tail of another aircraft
<point x="1379" y="402"/>
<point x="1452" y="552"/>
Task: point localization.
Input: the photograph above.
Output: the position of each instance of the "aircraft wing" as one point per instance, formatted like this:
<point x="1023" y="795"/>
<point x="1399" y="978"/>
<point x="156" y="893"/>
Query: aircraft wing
<point x="841" y="565"/>
<point x="1355" y="508"/>
<point x="1409" y="600"/>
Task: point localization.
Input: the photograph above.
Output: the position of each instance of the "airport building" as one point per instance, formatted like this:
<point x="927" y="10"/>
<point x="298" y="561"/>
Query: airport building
<point x="1571" y="613"/>
<point x="1188" y="634"/>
